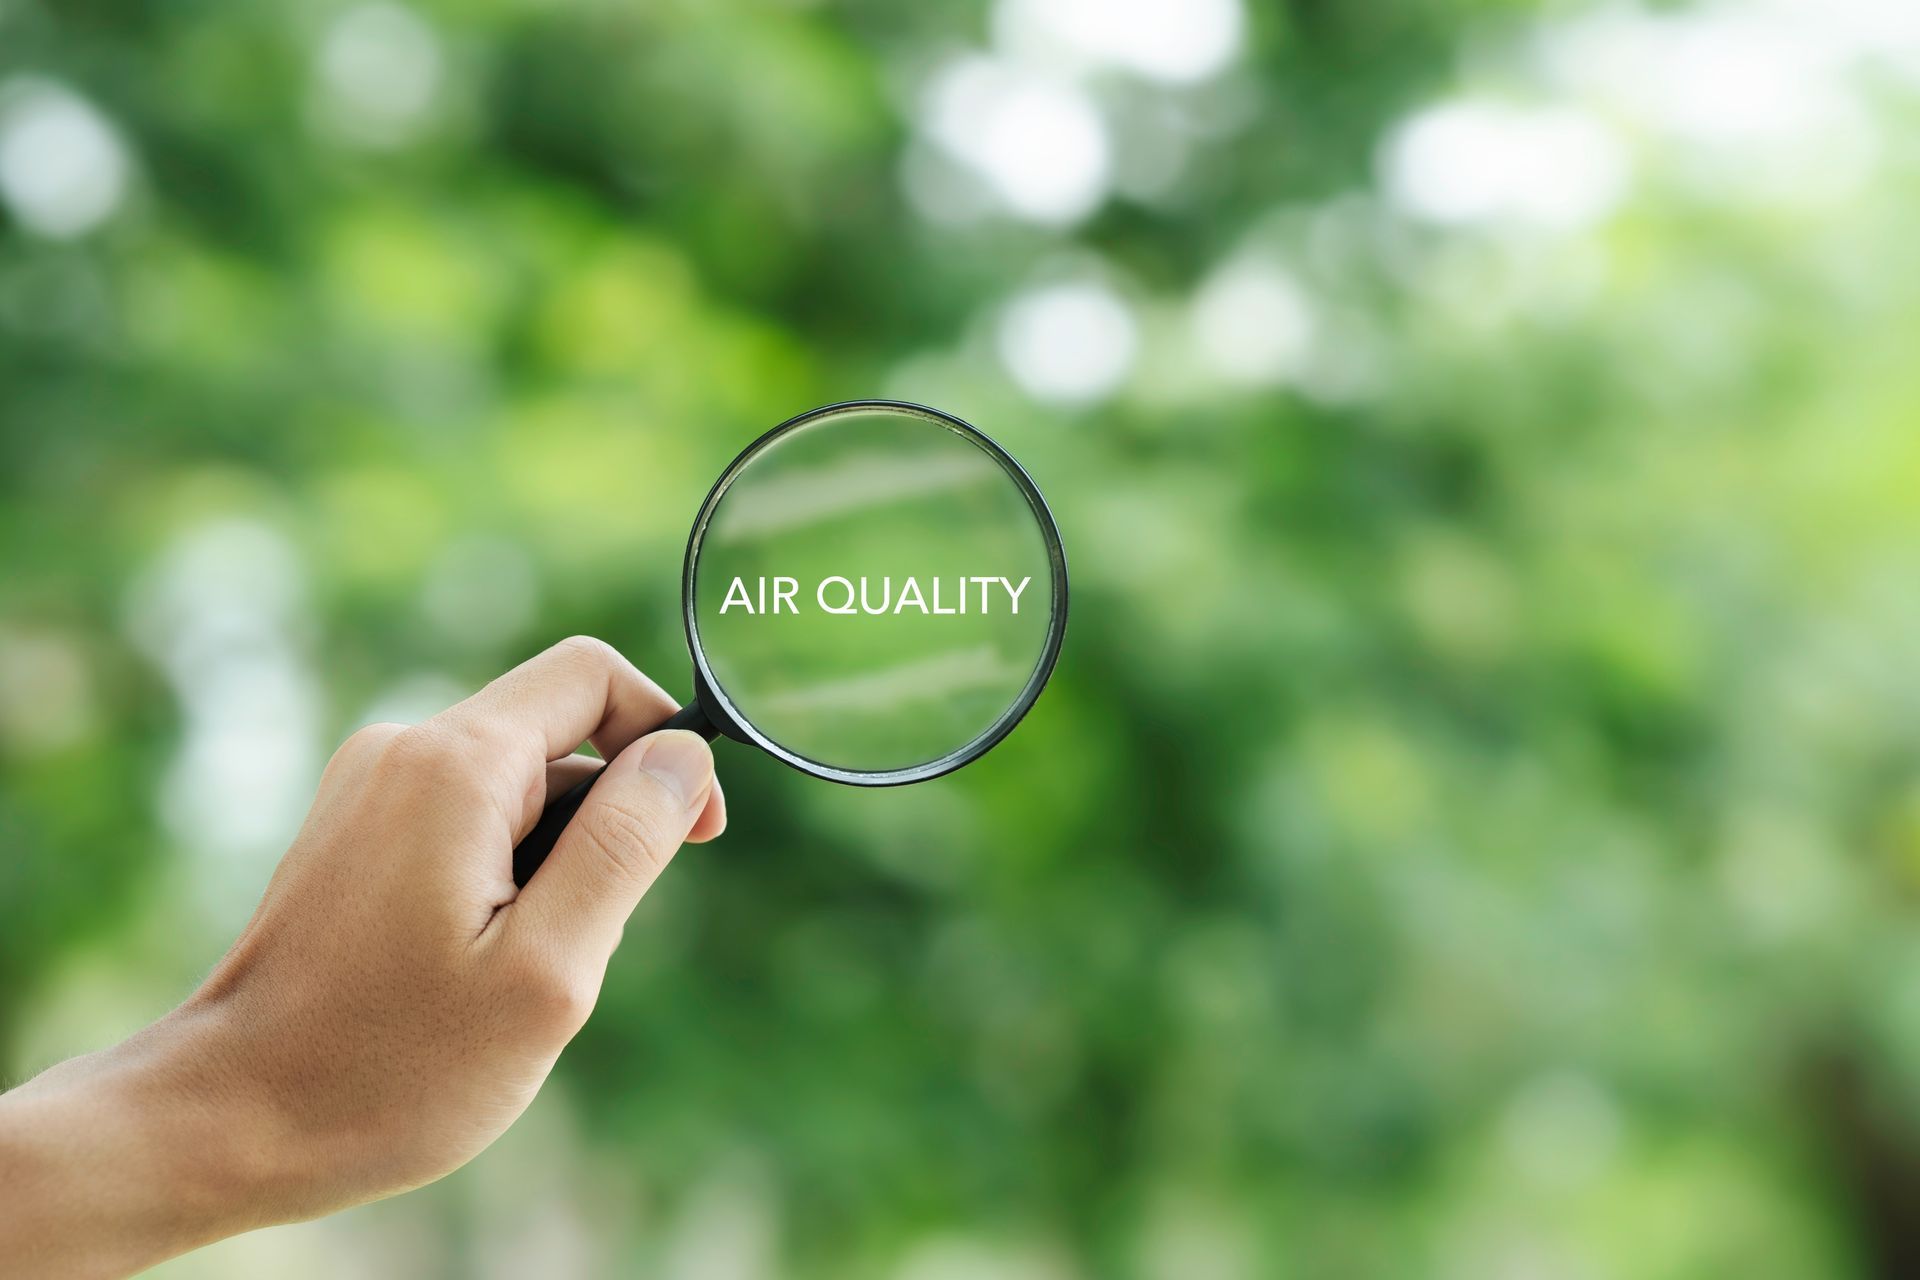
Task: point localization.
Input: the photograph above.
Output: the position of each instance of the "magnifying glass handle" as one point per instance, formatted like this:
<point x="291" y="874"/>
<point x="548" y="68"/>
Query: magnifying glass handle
<point x="531" y="852"/>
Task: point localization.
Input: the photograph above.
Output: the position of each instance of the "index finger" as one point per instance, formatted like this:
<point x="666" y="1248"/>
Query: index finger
<point x="580" y="690"/>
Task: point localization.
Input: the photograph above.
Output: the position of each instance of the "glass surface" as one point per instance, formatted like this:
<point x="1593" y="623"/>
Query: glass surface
<point x="873" y="590"/>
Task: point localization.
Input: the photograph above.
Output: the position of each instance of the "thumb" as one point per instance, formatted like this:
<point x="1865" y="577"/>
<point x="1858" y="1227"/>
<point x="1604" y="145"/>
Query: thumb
<point x="625" y="833"/>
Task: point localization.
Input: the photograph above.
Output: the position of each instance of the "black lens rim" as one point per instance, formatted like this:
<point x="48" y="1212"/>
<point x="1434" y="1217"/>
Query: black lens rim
<point x="724" y="713"/>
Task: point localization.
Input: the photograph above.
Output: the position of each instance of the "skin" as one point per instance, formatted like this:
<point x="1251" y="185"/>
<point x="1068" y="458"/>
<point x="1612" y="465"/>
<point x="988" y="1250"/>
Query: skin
<point x="394" y="1004"/>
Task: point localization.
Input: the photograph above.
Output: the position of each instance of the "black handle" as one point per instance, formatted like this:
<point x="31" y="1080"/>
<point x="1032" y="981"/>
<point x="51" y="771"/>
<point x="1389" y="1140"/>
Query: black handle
<point x="531" y="852"/>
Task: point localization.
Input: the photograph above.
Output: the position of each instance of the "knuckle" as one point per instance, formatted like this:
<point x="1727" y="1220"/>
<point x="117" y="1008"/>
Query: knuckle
<point x="457" y="758"/>
<point x="558" y="995"/>
<point x="589" y="651"/>
<point x="418" y="750"/>
<point x="369" y="738"/>
<point x="463" y="733"/>
<point x="362" y="745"/>
<point x="632" y="841"/>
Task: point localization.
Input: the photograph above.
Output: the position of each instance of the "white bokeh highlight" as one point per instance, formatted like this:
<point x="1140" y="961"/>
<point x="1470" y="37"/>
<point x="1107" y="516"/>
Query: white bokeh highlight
<point x="1037" y="142"/>
<point x="1729" y="73"/>
<point x="1465" y="162"/>
<point x="378" y="73"/>
<point x="1039" y="125"/>
<point x="1177" y="42"/>
<point x="1252" y="323"/>
<point x="63" y="168"/>
<point x="1758" y="102"/>
<point x="1068" y="344"/>
<point x="223" y="613"/>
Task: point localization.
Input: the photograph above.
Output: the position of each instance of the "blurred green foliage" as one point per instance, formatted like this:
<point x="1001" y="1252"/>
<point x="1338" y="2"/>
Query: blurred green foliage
<point x="1475" y="827"/>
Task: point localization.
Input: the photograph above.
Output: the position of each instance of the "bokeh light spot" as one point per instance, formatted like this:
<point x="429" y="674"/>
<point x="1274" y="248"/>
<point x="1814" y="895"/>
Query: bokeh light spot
<point x="1039" y="143"/>
<point x="1070" y="343"/>
<point x="63" y="168"/>
<point x="1172" y="41"/>
<point x="379" y="72"/>
<point x="1252" y="322"/>
<point x="1466" y="162"/>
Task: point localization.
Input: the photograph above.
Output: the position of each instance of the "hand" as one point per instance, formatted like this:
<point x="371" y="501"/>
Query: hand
<point x="394" y="1004"/>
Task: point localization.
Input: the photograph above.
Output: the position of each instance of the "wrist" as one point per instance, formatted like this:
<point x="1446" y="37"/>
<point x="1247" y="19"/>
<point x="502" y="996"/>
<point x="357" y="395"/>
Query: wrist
<point x="120" y="1159"/>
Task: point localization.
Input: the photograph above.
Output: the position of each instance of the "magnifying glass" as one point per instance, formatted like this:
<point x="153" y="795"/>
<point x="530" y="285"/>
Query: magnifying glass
<point x="874" y="593"/>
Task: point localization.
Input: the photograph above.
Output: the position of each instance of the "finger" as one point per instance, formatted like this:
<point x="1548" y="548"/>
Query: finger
<point x="578" y="691"/>
<point x="562" y="776"/>
<point x="357" y="757"/>
<point x="627" y="830"/>
<point x="569" y="771"/>
<point x="713" y="819"/>
<point x="565" y="774"/>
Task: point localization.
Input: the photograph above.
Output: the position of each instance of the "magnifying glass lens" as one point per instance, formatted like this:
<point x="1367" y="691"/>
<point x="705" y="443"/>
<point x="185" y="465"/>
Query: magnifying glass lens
<point x="873" y="590"/>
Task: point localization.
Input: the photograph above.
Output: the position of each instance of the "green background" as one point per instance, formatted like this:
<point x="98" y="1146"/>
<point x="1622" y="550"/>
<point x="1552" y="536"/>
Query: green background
<point x="1474" y="830"/>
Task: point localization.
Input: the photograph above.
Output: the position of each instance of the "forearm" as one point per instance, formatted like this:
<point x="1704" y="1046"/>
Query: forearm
<point x="115" y="1161"/>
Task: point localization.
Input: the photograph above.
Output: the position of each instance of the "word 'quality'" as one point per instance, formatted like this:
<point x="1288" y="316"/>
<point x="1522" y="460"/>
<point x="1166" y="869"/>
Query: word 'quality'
<point x="970" y="594"/>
